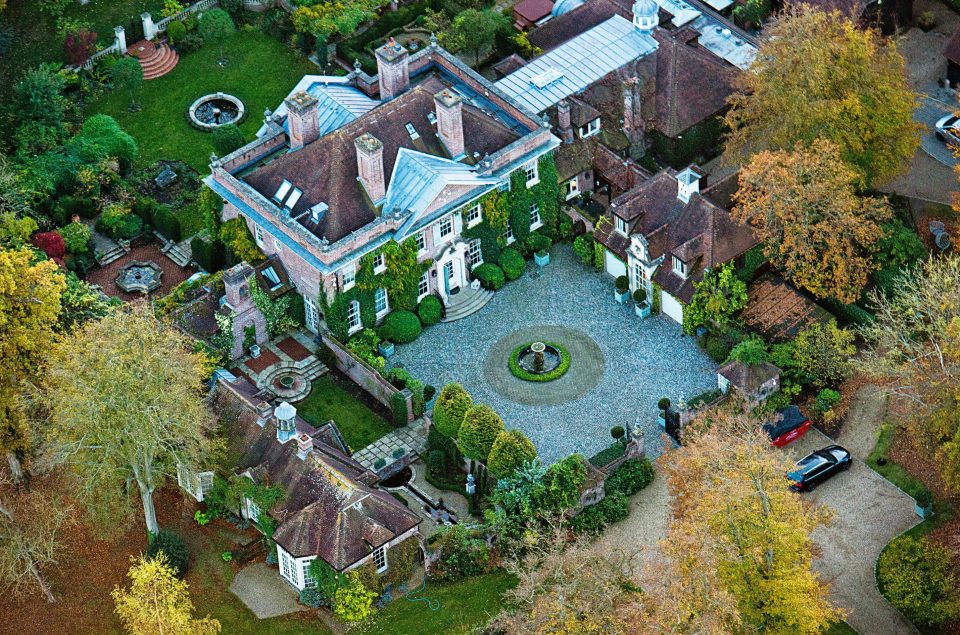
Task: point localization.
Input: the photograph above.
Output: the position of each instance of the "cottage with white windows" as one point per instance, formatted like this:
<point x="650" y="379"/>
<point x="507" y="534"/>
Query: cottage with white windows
<point x="666" y="233"/>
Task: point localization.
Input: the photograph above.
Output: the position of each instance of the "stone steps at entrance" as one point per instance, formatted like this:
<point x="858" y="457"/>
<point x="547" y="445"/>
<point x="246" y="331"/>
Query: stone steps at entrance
<point x="466" y="303"/>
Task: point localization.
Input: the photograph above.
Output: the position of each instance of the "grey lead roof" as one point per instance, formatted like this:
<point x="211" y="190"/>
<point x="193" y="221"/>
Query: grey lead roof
<point x="575" y="65"/>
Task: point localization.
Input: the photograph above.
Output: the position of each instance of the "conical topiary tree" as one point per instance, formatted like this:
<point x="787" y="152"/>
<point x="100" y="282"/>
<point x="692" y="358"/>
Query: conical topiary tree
<point x="510" y="450"/>
<point x="481" y="426"/>
<point x="451" y="406"/>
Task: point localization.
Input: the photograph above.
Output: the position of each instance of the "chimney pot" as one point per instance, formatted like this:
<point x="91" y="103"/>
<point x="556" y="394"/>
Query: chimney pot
<point x="393" y="69"/>
<point x="304" y="446"/>
<point x="450" y="121"/>
<point x="370" y="166"/>
<point x="303" y="119"/>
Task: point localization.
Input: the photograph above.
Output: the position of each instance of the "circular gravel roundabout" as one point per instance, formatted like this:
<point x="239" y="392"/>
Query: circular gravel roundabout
<point x="585" y="370"/>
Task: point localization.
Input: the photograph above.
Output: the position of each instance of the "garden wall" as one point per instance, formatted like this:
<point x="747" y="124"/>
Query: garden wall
<point x="364" y="375"/>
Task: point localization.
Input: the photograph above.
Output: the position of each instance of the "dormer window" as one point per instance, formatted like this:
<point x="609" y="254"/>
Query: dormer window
<point x="414" y="135"/>
<point x="379" y="263"/>
<point x="270" y="275"/>
<point x="679" y="267"/>
<point x="532" y="172"/>
<point x="474" y="215"/>
<point x="591" y="129"/>
<point x="293" y="198"/>
<point x="621" y="225"/>
<point x="282" y="191"/>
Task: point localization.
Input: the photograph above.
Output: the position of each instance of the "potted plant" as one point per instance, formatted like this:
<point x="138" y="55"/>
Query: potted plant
<point x="542" y="258"/>
<point x="429" y="396"/>
<point x="255" y="351"/>
<point x="664" y="406"/>
<point x="642" y="307"/>
<point x="924" y="504"/>
<point x="622" y="289"/>
<point x="386" y="348"/>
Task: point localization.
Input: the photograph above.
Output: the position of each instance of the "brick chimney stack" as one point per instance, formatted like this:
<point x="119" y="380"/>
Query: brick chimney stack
<point x="450" y="121"/>
<point x="563" y="121"/>
<point x="370" y="166"/>
<point x="302" y="119"/>
<point x="393" y="69"/>
<point x="304" y="446"/>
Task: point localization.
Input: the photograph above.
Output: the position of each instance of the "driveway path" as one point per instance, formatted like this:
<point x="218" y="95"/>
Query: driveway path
<point x="638" y="361"/>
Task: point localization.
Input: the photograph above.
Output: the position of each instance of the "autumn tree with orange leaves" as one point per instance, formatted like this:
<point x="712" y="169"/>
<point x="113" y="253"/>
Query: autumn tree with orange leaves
<point x="814" y="227"/>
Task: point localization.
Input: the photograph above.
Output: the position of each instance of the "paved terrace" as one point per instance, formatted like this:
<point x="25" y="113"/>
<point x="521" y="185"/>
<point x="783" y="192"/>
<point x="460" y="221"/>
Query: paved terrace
<point x="621" y="365"/>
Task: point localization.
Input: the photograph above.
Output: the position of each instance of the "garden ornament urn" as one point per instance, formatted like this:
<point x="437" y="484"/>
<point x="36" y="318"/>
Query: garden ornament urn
<point x="255" y="351"/>
<point x="923" y="505"/>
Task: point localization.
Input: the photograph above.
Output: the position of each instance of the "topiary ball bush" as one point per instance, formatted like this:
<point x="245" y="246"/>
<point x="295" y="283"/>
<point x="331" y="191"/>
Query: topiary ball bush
<point x="537" y="242"/>
<point x="430" y="310"/>
<point x="622" y="284"/>
<point x="512" y="263"/>
<point x="173" y="547"/>
<point x="490" y="276"/>
<point x="175" y="32"/>
<point x="401" y="327"/>
<point x="450" y="408"/>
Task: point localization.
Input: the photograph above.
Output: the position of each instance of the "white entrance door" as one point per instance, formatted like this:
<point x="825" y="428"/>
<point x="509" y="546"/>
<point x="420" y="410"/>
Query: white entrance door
<point x="671" y="307"/>
<point x="613" y="265"/>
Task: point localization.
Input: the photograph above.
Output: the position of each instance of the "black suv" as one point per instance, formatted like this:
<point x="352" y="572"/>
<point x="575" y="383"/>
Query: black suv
<point x="817" y="467"/>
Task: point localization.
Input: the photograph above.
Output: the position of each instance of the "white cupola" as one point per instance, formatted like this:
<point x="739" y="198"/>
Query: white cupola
<point x="645" y="15"/>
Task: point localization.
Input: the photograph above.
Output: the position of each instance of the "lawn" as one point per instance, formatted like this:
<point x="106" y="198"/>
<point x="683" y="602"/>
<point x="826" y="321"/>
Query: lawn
<point x="462" y="607"/>
<point x="329" y="399"/>
<point x="840" y="628"/>
<point x="261" y="71"/>
<point x="35" y="33"/>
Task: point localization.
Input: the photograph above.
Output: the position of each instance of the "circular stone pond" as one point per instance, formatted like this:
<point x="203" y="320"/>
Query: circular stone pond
<point x="217" y="109"/>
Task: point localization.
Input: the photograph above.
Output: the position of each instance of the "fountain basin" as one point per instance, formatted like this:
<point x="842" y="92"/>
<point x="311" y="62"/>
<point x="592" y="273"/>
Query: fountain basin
<point x="539" y="361"/>
<point x="217" y="109"/>
<point x="138" y="276"/>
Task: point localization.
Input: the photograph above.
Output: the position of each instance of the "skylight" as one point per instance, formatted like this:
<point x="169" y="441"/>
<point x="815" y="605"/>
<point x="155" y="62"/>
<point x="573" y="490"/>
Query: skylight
<point x="293" y="198"/>
<point x="282" y="191"/>
<point x="271" y="276"/>
<point x="546" y="78"/>
<point x="412" y="131"/>
<point x="432" y="117"/>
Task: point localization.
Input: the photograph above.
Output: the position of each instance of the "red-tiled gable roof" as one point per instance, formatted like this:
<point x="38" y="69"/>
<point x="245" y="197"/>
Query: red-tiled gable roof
<point x="952" y="49"/>
<point x="748" y="378"/>
<point x="693" y="84"/>
<point x="533" y="10"/>
<point x="699" y="232"/>
<point x="326" y="170"/>
<point x="778" y="311"/>
<point x="329" y="509"/>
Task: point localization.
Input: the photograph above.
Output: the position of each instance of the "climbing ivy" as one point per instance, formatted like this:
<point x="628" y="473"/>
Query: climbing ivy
<point x="546" y="194"/>
<point x="336" y="311"/>
<point x="520" y="200"/>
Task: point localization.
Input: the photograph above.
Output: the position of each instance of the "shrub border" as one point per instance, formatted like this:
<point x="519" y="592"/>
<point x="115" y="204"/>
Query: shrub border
<point x="556" y="373"/>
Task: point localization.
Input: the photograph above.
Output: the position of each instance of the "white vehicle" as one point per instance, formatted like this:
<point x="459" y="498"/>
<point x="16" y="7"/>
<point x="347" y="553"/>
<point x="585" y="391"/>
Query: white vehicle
<point x="948" y="130"/>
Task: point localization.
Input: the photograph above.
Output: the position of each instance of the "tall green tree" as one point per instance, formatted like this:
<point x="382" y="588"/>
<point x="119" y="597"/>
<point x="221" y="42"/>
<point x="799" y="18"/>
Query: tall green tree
<point x="127" y="74"/>
<point x="215" y="27"/>
<point x="717" y="297"/>
<point x="816" y="75"/>
<point x="475" y="30"/>
<point x="125" y="395"/>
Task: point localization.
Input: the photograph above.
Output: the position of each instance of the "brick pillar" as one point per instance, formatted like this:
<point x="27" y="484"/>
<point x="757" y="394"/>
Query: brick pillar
<point x="450" y="121"/>
<point x="563" y="121"/>
<point x="302" y="119"/>
<point x="370" y="166"/>
<point x="393" y="69"/>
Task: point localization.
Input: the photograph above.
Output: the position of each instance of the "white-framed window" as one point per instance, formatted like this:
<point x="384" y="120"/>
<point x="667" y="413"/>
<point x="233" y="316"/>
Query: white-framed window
<point x="379" y="263"/>
<point x="270" y="275"/>
<point x="474" y="215"/>
<point x="311" y="314"/>
<point x="380" y="559"/>
<point x="198" y="484"/>
<point x="532" y="172"/>
<point x="592" y="128"/>
<point x="573" y="188"/>
<point x="504" y="185"/>
<point x="309" y="582"/>
<point x="423" y="286"/>
<point x="475" y="255"/>
<point x="380" y="299"/>
<point x="679" y="267"/>
<point x="421" y="241"/>
<point x="446" y="226"/>
<point x="353" y="317"/>
<point x="288" y="567"/>
<point x="349" y="276"/>
<point x="282" y="191"/>
<point x="621" y="225"/>
<point x="509" y="235"/>
<point x="535" y="216"/>
<point x="258" y="233"/>
<point x="253" y="511"/>
<point x="636" y="273"/>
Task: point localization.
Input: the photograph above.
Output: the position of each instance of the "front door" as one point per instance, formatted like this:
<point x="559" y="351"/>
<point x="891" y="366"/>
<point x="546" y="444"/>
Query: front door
<point x="448" y="280"/>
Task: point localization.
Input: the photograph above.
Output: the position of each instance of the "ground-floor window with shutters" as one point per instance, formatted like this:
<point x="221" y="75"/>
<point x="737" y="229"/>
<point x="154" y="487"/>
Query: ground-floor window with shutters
<point x="380" y="559"/>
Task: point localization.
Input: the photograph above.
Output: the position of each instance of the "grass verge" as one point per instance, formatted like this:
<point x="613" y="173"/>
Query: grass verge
<point x="328" y="399"/>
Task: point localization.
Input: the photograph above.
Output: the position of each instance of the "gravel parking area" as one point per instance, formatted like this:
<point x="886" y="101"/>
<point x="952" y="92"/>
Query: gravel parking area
<point x="631" y="362"/>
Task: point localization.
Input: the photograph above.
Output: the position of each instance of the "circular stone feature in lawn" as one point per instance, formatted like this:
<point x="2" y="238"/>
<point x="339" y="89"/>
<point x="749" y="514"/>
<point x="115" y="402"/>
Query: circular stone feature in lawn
<point x="581" y="360"/>
<point x="539" y="361"/>
<point x="215" y="110"/>
<point x="140" y="276"/>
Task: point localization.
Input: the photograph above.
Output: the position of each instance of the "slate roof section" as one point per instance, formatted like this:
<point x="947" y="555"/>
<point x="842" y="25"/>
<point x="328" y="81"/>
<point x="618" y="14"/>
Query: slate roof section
<point x="533" y="10"/>
<point x="951" y="50"/>
<point x="326" y="170"/>
<point x="339" y="102"/>
<point x="699" y="232"/>
<point x="329" y="509"/>
<point x="575" y="65"/>
<point x="419" y="179"/>
<point x="572" y="23"/>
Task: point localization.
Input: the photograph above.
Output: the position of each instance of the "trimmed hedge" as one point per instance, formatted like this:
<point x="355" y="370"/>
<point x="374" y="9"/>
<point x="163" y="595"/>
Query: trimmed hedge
<point x="848" y="314"/>
<point x="512" y="263"/>
<point x="401" y="327"/>
<point x="398" y="404"/>
<point x="490" y="276"/>
<point x="166" y="223"/>
<point x="430" y="310"/>
<point x="608" y="455"/>
<point x="632" y="476"/>
<point x="593" y="519"/>
<point x="209" y="255"/>
<point x="556" y="373"/>
<point x="173" y="546"/>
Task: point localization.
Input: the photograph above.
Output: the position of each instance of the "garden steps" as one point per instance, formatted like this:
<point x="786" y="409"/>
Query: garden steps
<point x="466" y="303"/>
<point x="107" y="257"/>
<point x="180" y="254"/>
<point x="156" y="61"/>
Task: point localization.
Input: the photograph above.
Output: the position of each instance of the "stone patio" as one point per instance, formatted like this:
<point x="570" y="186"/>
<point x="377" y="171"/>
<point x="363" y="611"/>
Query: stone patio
<point x="632" y="362"/>
<point x="412" y="438"/>
<point x="264" y="592"/>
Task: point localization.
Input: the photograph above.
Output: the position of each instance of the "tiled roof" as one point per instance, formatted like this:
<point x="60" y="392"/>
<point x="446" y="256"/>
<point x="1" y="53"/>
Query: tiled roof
<point x="576" y="64"/>
<point x="339" y="103"/>
<point x="573" y="158"/>
<point x="326" y="170"/>
<point x="952" y="49"/>
<point x="746" y="377"/>
<point x="419" y="179"/>
<point x="533" y="10"/>
<point x="329" y="509"/>
<point x="582" y="113"/>
<point x="778" y="311"/>
<point x="562" y="28"/>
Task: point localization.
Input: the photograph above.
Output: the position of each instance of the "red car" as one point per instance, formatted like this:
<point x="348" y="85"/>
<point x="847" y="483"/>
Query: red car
<point x="790" y="426"/>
